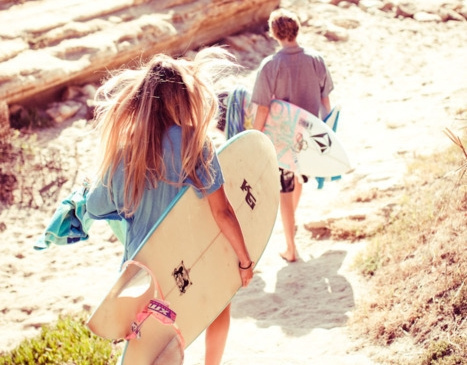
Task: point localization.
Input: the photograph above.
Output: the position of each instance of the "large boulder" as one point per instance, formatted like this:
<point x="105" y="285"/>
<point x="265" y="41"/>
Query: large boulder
<point x="46" y="44"/>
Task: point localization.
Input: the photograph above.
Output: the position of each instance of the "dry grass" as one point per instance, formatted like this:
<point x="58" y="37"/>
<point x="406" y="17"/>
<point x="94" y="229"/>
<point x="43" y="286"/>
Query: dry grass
<point x="29" y="176"/>
<point x="418" y="265"/>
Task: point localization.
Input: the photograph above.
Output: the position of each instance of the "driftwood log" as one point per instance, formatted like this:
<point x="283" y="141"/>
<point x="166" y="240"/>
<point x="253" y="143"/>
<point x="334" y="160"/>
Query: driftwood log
<point x="47" y="44"/>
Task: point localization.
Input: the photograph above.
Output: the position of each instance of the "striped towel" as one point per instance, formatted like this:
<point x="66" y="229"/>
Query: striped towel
<point x="235" y="115"/>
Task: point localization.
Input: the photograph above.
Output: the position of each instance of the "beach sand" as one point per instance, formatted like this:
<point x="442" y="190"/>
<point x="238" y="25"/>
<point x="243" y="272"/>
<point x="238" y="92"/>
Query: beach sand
<point x="400" y="82"/>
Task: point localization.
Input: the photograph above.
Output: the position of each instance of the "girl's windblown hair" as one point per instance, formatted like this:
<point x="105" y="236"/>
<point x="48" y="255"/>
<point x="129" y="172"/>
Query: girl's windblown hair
<point x="136" y="107"/>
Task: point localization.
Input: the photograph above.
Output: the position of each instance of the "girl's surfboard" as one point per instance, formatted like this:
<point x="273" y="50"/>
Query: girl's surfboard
<point x="193" y="265"/>
<point x="304" y="143"/>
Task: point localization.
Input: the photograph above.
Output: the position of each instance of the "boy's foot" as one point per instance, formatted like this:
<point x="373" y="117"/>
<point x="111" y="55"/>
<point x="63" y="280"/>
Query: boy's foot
<point x="288" y="258"/>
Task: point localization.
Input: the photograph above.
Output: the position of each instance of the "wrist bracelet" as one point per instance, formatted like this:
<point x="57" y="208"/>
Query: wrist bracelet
<point x="245" y="268"/>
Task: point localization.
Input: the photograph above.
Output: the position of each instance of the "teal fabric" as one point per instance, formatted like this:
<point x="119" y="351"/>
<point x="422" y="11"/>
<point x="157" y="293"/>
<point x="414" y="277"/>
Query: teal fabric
<point x="69" y="224"/>
<point x="235" y="115"/>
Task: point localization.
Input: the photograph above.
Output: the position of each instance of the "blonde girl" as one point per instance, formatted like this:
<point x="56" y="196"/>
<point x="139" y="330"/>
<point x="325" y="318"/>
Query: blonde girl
<point x="153" y="123"/>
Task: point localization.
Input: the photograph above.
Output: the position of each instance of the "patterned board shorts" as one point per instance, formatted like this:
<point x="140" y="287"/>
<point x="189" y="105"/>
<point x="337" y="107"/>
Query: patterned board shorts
<point x="288" y="180"/>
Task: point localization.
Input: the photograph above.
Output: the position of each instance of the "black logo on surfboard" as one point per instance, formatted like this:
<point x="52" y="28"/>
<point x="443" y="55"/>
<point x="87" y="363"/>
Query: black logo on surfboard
<point x="182" y="277"/>
<point x="323" y="140"/>
<point x="249" y="197"/>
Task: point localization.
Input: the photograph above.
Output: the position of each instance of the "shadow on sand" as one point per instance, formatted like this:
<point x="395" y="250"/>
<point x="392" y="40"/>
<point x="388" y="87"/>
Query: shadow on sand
<point x="307" y="295"/>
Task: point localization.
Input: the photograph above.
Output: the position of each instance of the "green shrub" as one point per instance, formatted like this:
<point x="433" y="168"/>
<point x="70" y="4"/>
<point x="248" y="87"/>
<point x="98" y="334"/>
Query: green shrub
<point x="446" y="353"/>
<point x="68" y="341"/>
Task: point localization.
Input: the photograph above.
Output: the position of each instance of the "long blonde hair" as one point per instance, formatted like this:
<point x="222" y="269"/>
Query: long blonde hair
<point x="136" y="107"/>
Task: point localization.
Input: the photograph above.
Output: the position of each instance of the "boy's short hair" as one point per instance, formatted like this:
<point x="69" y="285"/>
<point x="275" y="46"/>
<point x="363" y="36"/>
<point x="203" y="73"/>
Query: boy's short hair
<point x="283" y="25"/>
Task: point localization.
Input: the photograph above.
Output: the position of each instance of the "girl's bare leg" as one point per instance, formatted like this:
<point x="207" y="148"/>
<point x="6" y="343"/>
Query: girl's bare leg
<point x="216" y="338"/>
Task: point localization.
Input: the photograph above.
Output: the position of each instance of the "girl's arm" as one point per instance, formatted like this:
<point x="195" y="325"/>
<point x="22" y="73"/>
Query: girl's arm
<point x="227" y="221"/>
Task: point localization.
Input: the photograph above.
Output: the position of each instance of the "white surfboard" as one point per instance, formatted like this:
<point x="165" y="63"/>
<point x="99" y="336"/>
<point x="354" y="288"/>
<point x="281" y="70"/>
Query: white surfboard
<point x="193" y="264"/>
<point x="304" y="143"/>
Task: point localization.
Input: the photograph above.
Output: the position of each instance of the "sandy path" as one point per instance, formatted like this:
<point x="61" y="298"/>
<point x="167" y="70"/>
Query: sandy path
<point x="399" y="83"/>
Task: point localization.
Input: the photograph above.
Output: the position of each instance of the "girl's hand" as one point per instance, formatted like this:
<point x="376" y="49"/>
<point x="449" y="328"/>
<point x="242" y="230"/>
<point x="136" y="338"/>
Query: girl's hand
<point x="246" y="273"/>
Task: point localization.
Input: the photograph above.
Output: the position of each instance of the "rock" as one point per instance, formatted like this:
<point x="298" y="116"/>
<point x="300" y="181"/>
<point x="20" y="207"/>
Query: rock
<point x="346" y="23"/>
<point x="387" y="6"/>
<point x="422" y="16"/>
<point x="370" y="4"/>
<point x="60" y="112"/>
<point x="431" y="10"/>
<point x="463" y="11"/>
<point x="240" y="43"/>
<point x="72" y="92"/>
<point x="336" y="33"/>
<point x="345" y="2"/>
<point x="89" y="91"/>
<point x="11" y="47"/>
<point x="406" y="10"/>
<point x="47" y="45"/>
<point x="450" y="14"/>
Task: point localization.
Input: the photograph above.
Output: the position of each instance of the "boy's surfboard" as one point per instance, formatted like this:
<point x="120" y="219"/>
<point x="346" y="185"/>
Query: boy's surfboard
<point x="304" y="143"/>
<point x="194" y="264"/>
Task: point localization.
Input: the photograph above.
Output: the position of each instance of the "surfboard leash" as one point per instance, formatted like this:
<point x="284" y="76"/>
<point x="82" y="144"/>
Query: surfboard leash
<point x="159" y="309"/>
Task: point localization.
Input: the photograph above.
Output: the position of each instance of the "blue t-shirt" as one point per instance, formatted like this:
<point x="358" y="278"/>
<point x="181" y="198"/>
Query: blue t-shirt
<point x="102" y="205"/>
